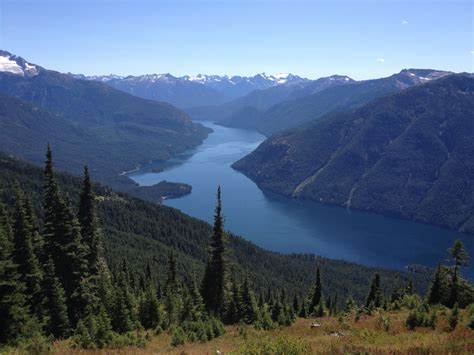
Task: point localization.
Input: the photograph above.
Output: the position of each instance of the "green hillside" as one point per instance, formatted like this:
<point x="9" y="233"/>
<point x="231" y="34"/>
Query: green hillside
<point x="408" y="155"/>
<point x="89" y="123"/>
<point x="142" y="232"/>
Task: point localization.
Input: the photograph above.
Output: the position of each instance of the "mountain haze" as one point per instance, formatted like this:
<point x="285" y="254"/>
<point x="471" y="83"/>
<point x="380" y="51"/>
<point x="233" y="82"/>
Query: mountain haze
<point x="245" y="111"/>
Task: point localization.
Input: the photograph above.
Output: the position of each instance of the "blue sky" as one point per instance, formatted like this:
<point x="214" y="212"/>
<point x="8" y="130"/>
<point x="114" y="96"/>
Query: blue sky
<point x="362" y="39"/>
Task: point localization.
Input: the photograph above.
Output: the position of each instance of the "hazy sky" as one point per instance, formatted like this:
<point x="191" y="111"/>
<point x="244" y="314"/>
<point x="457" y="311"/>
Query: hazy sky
<point x="363" y="39"/>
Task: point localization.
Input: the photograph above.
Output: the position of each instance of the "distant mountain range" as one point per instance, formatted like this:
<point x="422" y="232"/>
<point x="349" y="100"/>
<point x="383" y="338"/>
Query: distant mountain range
<point x="286" y="106"/>
<point x="297" y="110"/>
<point x="246" y="111"/>
<point x="408" y="154"/>
<point x="86" y="122"/>
<point x="191" y="91"/>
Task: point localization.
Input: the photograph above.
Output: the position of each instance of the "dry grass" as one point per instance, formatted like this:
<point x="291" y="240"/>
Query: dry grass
<point x="364" y="336"/>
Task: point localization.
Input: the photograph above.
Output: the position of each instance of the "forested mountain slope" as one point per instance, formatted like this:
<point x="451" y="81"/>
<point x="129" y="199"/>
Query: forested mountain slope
<point x="410" y="154"/>
<point x="143" y="233"/>
<point x="92" y="123"/>
<point x="304" y="108"/>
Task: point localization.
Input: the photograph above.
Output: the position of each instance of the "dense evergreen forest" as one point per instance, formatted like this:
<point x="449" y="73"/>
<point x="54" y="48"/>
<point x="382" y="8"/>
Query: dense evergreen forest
<point x="79" y="260"/>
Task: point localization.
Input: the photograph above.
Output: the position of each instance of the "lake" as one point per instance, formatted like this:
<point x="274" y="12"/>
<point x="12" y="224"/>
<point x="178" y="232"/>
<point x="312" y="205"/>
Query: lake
<point x="281" y="224"/>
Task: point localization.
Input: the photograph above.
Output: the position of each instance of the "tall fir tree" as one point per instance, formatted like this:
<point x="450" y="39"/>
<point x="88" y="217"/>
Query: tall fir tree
<point x="435" y="291"/>
<point x="249" y="304"/>
<point x="460" y="258"/>
<point x="172" y="297"/>
<point x="193" y="305"/>
<point x="89" y="224"/>
<point x="375" y="296"/>
<point x="24" y="254"/>
<point x="296" y="304"/>
<point x="98" y="277"/>
<point x="234" y="310"/>
<point x="317" y="293"/>
<point x="213" y="285"/>
<point x="15" y="318"/>
<point x="55" y="303"/>
<point x="123" y="306"/>
<point x="149" y="309"/>
<point x="61" y="233"/>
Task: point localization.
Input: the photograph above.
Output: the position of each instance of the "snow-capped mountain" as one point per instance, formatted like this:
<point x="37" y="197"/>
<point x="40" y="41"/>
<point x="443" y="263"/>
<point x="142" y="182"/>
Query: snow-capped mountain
<point x="236" y="86"/>
<point x="16" y="65"/>
<point x="410" y="77"/>
<point x="260" y="81"/>
<point x="190" y="91"/>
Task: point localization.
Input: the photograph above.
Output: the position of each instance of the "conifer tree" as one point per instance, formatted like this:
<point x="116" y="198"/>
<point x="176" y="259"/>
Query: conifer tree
<point x="149" y="309"/>
<point x="269" y="296"/>
<point x="196" y="303"/>
<point x="435" y="291"/>
<point x="213" y="286"/>
<point x="172" y="292"/>
<point x="375" y="296"/>
<point x="303" y="309"/>
<point x="63" y="241"/>
<point x="329" y="305"/>
<point x="317" y="293"/>
<point x="36" y="238"/>
<point x="460" y="258"/>
<point x="55" y="303"/>
<point x="350" y="304"/>
<point x="15" y="319"/>
<point x="122" y="312"/>
<point x="261" y="300"/>
<point x="51" y="195"/>
<point x="24" y="254"/>
<point x="249" y="304"/>
<point x="88" y="221"/>
<point x="148" y="275"/>
<point x="296" y="306"/>
<point x="234" y="312"/>
<point x="319" y="312"/>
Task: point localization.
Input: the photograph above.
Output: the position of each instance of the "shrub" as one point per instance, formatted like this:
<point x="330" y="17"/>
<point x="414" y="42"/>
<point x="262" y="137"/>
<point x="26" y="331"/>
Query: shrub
<point x="36" y="345"/>
<point x="384" y="321"/>
<point x="178" y="336"/>
<point x="410" y="301"/>
<point x="470" y="316"/>
<point x="453" y="319"/>
<point x="217" y="327"/>
<point x="242" y="331"/>
<point x="416" y="318"/>
<point x="432" y="320"/>
<point x="276" y="346"/>
<point x="158" y="330"/>
<point x="264" y="320"/>
<point x="202" y="330"/>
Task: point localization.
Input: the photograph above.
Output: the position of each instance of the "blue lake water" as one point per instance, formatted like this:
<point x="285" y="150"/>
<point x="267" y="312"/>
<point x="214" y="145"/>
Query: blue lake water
<point x="285" y="225"/>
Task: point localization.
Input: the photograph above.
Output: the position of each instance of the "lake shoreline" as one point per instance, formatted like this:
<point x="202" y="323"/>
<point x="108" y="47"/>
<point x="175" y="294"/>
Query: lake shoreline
<point x="280" y="224"/>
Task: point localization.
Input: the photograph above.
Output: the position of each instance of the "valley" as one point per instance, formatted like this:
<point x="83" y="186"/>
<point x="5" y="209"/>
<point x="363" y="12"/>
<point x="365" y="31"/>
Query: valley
<point x="333" y="232"/>
<point x="236" y="177"/>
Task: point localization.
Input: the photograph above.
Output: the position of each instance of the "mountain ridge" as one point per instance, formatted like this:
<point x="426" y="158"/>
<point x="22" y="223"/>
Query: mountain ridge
<point x="406" y="155"/>
<point x="110" y="130"/>
<point x="190" y="91"/>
